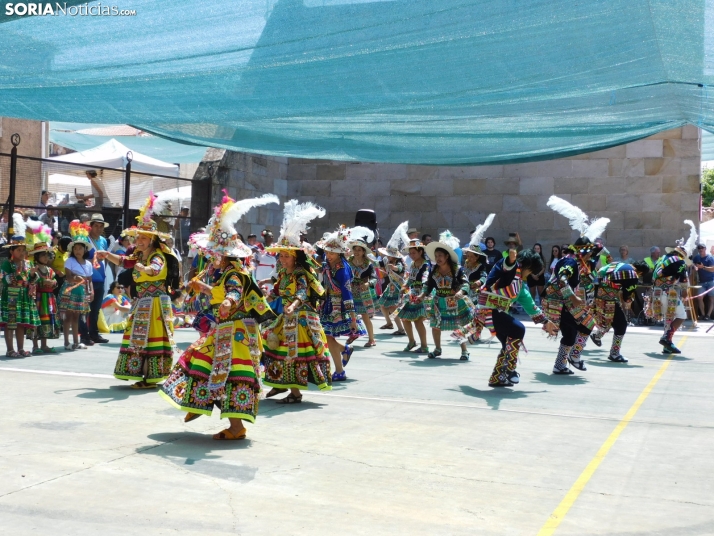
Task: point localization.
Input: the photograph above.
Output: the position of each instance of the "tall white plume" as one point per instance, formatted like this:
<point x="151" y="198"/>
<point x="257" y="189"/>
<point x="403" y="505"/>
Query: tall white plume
<point x="577" y="218"/>
<point x="477" y="235"/>
<point x="400" y="238"/>
<point x="240" y="208"/>
<point x="596" y="229"/>
<point x="296" y="216"/>
<point x="691" y="242"/>
<point x="18" y="225"/>
<point x="360" y="233"/>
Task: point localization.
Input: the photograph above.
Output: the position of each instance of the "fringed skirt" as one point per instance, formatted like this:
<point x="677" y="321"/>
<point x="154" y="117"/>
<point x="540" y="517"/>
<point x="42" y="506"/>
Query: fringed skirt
<point x="448" y="313"/>
<point x="47" y="310"/>
<point x="362" y="297"/>
<point x="390" y="296"/>
<point x="413" y="310"/>
<point x="146" y="351"/>
<point x="221" y="369"/>
<point x="296" y="353"/>
<point x="18" y="309"/>
<point x="73" y="299"/>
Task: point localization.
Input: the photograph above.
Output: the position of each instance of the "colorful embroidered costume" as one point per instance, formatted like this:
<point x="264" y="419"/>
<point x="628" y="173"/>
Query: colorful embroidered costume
<point x="297" y="352"/>
<point x="575" y="321"/>
<point x="17" y="303"/>
<point x="669" y="280"/>
<point x="503" y="287"/>
<point x="617" y="281"/>
<point x="222" y="368"/>
<point x="75" y="297"/>
<point x="361" y="286"/>
<point x="147" y="346"/>
<point x="337" y="311"/>
<point x="392" y="292"/>
<point x="476" y="277"/>
<point x="46" y="303"/>
<point x="414" y="309"/>
<point x="447" y="312"/>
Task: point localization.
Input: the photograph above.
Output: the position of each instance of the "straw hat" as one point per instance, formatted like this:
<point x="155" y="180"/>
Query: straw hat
<point x="447" y="242"/>
<point x="413" y="243"/>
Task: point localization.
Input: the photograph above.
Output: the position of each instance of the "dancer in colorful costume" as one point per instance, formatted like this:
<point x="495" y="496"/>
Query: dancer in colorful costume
<point x="393" y="264"/>
<point x="614" y="292"/>
<point x="337" y="314"/>
<point x="362" y="265"/>
<point x="504" y="286"/>
<point x="449" y="287"/>
<point x="561" y="302"/>
<point x="146" y="352"/>
<point x="18" y="311"/>
<point x="38" y="247"/>
<point x="222" y="368"/>
<point x="670" y="280"/>
<point x="296" y="350"/>
<point x="414" y="310"/>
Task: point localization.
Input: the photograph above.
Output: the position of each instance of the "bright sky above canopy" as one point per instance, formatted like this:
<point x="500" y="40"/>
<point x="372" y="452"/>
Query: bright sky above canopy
<point x="417" y="81"/>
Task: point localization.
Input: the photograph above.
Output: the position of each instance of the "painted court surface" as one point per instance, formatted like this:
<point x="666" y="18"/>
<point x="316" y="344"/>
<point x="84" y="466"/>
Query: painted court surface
<point x="406" y="446"/>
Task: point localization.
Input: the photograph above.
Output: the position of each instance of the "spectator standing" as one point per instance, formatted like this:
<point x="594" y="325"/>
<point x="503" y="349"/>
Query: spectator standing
<point x="703" y="263"/>
<point x="555" y="255"/>
<point x="536" y="282"/>
<point x="426" y="238"/>
<point x="182" y="226"/>
<point x="625" y="256"/>
<point x="655" y="254"/>
<point x="44" y="198"/>
<point x="49" y="218"/>
<point x="492" y="254"/>
<point x="90" y="329"/>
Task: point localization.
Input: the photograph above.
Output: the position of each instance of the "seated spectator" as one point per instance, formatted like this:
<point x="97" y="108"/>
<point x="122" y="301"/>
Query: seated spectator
<point x="115" y="308"/>
<point x="655" y="254"/>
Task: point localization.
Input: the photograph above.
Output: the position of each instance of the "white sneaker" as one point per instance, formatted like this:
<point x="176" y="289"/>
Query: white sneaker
<point x="68" y="347"/>
<point x="79" y="346"/>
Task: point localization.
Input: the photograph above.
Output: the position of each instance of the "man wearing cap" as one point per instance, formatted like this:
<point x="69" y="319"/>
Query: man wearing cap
<point x="90" y="329"/>
<point x="704" y="265"/>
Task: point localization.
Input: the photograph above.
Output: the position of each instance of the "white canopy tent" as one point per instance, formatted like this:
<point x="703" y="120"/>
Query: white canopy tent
<point x="112" y="154"/>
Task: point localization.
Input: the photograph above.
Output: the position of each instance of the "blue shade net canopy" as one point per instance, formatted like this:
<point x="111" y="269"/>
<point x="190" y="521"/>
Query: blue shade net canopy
<point x="417" y="81"/>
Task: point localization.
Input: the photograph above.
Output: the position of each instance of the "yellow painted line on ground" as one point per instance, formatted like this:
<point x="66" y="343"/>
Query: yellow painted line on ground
<point x="574" y="492"/>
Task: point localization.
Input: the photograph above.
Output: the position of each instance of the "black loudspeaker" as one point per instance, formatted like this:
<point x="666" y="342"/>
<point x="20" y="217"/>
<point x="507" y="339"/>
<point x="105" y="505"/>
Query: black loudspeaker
<point x="367" y="218"/>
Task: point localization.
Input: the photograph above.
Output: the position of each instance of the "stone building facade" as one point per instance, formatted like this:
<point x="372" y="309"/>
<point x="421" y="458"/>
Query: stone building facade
<point x="647" y="188"/>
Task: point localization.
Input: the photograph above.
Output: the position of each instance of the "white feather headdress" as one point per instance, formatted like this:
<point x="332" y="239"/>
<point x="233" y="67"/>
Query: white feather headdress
<point x="449" y="239"/>
<point x="398" y="241"/>
<point x="296" y="216"/>
<point x="477" y="235"/>
<point x="19" y="227"/>
<point x="691" y="242"/>
<point x="340" y="240"/>
<point x="578" y="219"/>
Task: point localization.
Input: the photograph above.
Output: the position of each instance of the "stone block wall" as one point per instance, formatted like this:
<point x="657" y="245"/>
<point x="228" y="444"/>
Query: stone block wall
<point x="242" y="175"/>
<point x="647" y="188"/>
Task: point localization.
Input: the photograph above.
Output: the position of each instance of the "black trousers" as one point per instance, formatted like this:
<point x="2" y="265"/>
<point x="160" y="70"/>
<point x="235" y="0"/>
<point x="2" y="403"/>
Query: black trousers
<point x="570" y="328"/>
<point x="506" y="326"/>
<point x="619" y="321"/>
<point x="90" y="328"/>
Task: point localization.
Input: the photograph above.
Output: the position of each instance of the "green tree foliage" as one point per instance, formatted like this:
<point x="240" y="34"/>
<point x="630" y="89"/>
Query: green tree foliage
<point x="707" y="187"/>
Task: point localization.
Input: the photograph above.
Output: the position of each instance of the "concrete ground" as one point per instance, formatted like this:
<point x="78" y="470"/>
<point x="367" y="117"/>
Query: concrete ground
<point x="406" y="446"/>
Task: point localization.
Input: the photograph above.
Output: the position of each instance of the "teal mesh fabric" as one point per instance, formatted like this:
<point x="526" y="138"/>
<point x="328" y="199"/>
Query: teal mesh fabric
<point x="417" y="81"/>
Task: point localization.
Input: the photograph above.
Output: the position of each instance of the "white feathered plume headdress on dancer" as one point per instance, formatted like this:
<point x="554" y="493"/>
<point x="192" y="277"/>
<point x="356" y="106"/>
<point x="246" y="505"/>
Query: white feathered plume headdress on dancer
<point x="579" y="221"/>
<point x="221" y="237"/>
<point x="477" y="236"/>
<point x="685" y="249"/>
<point x="340" y="240"/>
<point x="448" y="243"/>
<point x="19" y="227"/>
<point x="398" y="241"/>
<point x="296" y="216"/>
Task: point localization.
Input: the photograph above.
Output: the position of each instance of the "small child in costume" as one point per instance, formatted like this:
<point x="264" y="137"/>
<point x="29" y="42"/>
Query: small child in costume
<point x="39" y="238"/>
<point x="18" y="311"/>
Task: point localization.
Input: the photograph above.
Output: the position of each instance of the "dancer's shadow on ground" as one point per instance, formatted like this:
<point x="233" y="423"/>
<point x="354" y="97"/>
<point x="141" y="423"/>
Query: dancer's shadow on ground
<point x="408" y="355"/>
<point x="559" y="379"/>
<point x="200" y="453"/>
<point x="269" y="408"/>
<point x="113" y="393"/>
<point x="494" y="396"/>
<point x="342" y="385"/>
<point x="439" y="362"/>
<point x="675" y="357"/>
<point x="606" y="363"/>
